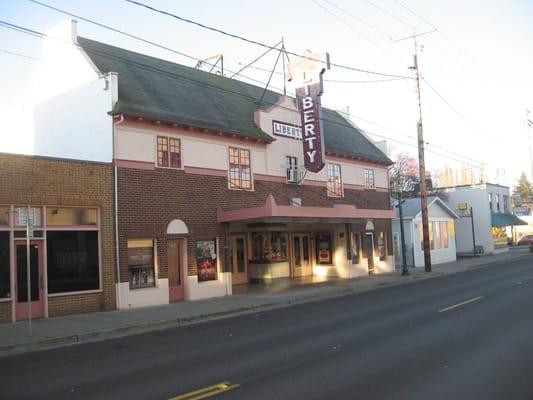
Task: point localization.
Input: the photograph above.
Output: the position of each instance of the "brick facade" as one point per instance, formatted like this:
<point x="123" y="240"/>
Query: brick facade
<point x="150" y="199"/>
<point x="43" y="181"/>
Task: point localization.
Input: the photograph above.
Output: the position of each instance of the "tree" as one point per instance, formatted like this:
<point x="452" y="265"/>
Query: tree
<point x="404" y="174"/>
<point x="523" y="190"/>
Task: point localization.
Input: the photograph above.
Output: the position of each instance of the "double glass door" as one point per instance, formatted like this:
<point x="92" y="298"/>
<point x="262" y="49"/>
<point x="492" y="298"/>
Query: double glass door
<point x="301" y="255"/>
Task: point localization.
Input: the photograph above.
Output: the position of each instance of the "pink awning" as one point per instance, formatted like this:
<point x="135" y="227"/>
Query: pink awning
<point x="271" y="209"/>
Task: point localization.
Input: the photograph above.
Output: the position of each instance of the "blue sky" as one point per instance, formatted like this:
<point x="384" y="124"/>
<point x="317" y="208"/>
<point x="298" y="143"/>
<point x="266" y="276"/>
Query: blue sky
<point x="479" y="60"/>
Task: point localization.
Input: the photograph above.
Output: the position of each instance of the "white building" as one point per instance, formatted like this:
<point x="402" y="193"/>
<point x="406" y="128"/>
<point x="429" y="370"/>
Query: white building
<point x="491" y="214"/>
<point x="441" y="220"/>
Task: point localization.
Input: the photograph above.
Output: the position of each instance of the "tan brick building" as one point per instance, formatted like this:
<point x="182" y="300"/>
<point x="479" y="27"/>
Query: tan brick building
<point x="72" y="250"/>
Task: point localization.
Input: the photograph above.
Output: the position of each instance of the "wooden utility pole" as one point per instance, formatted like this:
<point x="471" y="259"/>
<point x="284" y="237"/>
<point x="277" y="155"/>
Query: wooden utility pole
<point x="421" y="158"/>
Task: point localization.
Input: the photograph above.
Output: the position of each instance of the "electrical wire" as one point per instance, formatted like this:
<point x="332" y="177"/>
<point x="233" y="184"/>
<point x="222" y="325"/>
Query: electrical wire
<point x="19" y="55"/>
<point x="251" y="41"/>
<point x="203" y="84"/>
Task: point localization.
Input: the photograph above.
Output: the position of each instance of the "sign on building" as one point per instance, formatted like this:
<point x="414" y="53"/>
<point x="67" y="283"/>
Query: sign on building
<point x="306" y="73"/>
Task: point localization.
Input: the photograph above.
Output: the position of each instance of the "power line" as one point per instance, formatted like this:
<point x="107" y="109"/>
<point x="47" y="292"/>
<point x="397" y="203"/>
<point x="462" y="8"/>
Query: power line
<point x="19" y="55"/>
<point x="357" y="31"/>
<point x="203" y="84"/>
<point x="232" y="35"/>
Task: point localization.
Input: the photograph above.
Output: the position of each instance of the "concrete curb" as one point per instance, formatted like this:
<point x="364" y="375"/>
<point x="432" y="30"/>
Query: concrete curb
<point x="122" y="331"/>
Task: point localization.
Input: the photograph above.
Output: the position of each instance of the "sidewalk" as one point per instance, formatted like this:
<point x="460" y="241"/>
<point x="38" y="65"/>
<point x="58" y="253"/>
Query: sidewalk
<point x="73" y="329"/>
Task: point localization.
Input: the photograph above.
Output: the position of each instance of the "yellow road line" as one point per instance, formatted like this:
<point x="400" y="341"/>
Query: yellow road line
<point x="207" y="391"/>
<point x="461" y="304"/>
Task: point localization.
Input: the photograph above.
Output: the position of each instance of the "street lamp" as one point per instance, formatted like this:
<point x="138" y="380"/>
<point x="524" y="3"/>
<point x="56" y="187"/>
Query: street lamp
<point x="398" y="189"/>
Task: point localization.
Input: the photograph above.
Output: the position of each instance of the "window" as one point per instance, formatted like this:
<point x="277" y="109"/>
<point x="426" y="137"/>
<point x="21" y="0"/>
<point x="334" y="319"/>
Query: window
<point x="334" y="184"/>
<point x="490" y="201"/>
<point x="269" y="246"/>
<point x="498" y="202"/>
<point x="168" y="152"/>
<point x="324" y="248"/>
<point x="5" y="276"/>
<point x="240" y="171"/>
<point x="440" y="233"/>
<point x="141" y="263"/>
<point x="505" y="204"/>
<point x="382" y="249"/>
<point x="369" y="179"/>
<point x="21" y="214"/>
<point x="71" y="216"/>
<point x="206" y="260"/>
<point x="72" y="261"/>
<point x="292" y="162"/>
<point x="4" y="215"/>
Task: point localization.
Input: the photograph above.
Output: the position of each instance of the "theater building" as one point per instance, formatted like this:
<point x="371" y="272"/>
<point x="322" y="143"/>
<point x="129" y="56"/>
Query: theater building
<point x="71" y="249"/>
<point x="211" y="191"/>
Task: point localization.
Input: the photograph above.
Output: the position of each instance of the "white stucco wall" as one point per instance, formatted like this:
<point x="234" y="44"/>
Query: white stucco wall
<point x="195" y="290"/>
<point x="71" y="101"/>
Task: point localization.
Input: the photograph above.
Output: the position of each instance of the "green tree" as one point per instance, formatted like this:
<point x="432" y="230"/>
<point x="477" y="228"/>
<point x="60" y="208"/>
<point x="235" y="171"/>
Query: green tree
<point x="523" y="190"/>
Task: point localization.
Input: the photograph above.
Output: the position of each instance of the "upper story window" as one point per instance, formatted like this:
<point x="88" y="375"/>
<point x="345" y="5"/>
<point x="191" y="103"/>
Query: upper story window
<point x="334" y="183"/>
<point x="292" y="170"/>
<point x="168" y="152"/>
<point x="505" y="203"/>
<point x="370" y="183"/>
<point x="240" y="170"/>
<point x="498" y="202"/>
<point x="490" y="201"/>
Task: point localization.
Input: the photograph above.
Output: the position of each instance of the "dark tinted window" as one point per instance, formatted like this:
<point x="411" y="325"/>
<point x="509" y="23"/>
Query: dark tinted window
<point x="4" y="265"/>
<point x="72" y="261"/>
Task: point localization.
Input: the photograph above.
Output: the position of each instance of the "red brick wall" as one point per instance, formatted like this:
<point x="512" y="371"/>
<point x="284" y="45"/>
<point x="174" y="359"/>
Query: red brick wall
<point x="44" y="181"/>
<point x="149" y="200"/>
<point x="5" y="311"/>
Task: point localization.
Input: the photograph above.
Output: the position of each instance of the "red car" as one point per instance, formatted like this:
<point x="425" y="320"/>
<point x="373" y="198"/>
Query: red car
<point x="526" y="240"/>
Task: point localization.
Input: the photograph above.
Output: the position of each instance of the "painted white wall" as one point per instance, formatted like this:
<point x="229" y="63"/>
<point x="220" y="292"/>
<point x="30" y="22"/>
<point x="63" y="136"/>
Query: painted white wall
<point x="144" y="297"/>
<point x="195" y="290"/>
<point x="71" y="101"/>
<point x="477" y="198"/>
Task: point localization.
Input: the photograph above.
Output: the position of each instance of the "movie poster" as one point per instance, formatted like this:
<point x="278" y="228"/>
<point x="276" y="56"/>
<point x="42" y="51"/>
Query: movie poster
<point x="206" y="260"/>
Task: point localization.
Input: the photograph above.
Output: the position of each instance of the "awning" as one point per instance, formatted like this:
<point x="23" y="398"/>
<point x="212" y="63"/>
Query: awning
<point x="506" y="220"/>
<point x="272" y="210"/>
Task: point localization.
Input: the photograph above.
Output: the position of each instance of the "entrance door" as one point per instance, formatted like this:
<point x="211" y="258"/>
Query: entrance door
<point x="175" y="270"/>
<point x="36" y="284"/>
<point x="301" y="256"/>
<point x="369" y="248"/>
<point x="238" y="260"/>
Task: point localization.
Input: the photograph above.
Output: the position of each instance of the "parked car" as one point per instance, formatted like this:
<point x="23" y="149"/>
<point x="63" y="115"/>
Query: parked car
<point x="525" y="240"/>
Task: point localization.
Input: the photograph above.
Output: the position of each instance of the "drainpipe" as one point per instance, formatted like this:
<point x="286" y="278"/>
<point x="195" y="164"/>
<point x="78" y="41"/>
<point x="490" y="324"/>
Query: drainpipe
<point x="115" y="189"/>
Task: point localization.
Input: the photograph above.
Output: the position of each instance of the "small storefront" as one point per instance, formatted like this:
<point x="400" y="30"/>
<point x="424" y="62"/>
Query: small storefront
<point x="65" y="258"/>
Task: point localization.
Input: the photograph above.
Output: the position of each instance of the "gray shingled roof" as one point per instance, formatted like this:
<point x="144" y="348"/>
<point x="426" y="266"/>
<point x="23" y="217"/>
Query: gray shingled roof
<point x="411" y="207"/>
<point x="154" y="88"/>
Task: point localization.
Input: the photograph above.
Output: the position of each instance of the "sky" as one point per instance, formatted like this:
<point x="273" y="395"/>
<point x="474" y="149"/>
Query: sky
<point x="476" y="64"/>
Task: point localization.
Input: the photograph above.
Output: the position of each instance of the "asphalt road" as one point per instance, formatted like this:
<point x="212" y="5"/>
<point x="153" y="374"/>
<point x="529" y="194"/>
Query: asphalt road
<point x="403" y="342"/>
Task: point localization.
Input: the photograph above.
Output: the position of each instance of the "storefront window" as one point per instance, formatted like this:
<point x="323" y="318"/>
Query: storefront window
<point x="269" y="246"/>
<point x="4" y="215"/>
<point x="72" y="261"/>
<point x="21" y="215"/>
<point x="206" y="260"/>
<point x="382" y="248"/>
<point x="141" y="263"/>
<point x="5" y="291"/>
<point x="324" y="248"/>
<point x="71" y="216"/>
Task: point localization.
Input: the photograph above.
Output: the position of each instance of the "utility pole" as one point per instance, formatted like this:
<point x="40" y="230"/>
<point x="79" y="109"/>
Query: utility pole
<point x="421" y="158"/>
<point x="529" y="123"/>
